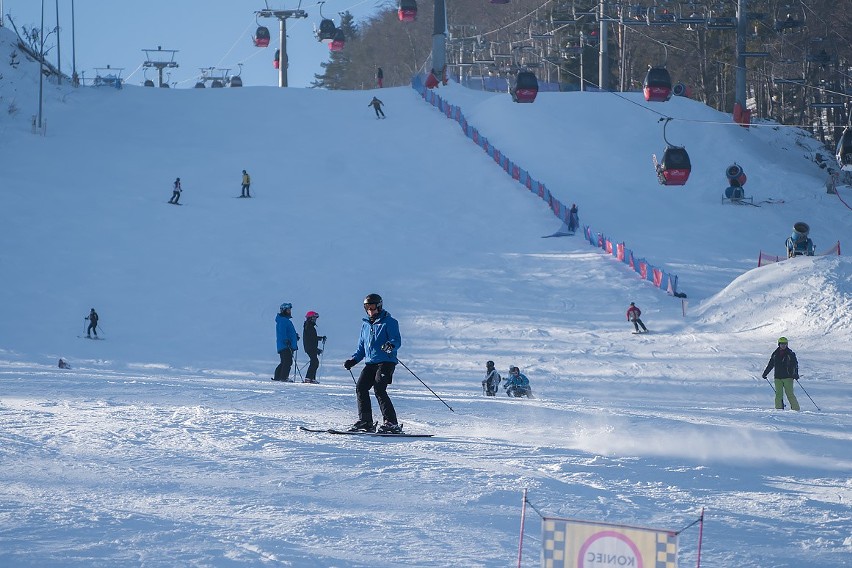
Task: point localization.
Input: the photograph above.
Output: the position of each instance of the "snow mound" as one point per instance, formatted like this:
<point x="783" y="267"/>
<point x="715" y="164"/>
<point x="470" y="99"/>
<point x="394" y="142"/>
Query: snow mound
<point x="810" y="295"/>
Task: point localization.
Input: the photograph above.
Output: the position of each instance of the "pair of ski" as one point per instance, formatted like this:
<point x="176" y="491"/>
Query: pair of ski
<point x="362" y="433"/>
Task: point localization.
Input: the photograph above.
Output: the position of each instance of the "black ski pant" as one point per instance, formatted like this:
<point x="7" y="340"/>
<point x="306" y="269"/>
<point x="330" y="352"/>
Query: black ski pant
<point x="637" y="322"/>
<point x="311" y="373"/>
<point x="246" y="190"/>
<point x="379" y="111"/>
<point x="175" y="197"/>
<point x="92" y="329"/>
<point x="376" y="376"/>
<point x="282" y="371"/>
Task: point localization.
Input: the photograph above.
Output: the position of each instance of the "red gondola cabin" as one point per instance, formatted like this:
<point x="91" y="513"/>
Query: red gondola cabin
<point x="261" y="37"/>
<point x="407" y="10"/>
<point x="675" y="167"/>
<point x="657" y="85"/>
<point x="526" y="87"/>
<point x="338" y="42"/>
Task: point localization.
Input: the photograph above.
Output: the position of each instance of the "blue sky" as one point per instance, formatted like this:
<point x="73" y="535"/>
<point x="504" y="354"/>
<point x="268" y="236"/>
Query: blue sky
<point x="206" y="34"/>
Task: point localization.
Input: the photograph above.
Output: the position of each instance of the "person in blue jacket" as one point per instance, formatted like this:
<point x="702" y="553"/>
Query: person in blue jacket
<point x="517" y="384"/>
<point x="287" y="341"/>
<point x="377" y="346"/>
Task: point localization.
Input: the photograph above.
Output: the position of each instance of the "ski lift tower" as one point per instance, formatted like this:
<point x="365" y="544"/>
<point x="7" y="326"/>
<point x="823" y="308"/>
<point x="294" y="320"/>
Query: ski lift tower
<point x="160" y="59"/>
<point x="283" y="16"/>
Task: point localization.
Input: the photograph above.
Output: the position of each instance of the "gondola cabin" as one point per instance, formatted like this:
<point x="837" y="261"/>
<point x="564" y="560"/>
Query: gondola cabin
<point x="200" y="85"/>
<point x="526" y="87"/>
<point x="675" y="167"/>
<point x="338" y="42"/>
<point x="326" y="31"/>
<point x="148" y="83"/>
<point x="407" y="10"/>
<point x="235" y="81"/>
<point x="844" y="150"/>
<point x="657" y="86"/>
<point x="261" y="37"/>
<point x="276" y="62"/>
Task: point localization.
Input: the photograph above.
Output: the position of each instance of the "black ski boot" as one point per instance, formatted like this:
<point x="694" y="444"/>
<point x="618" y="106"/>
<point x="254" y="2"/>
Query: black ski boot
<point x="363" y="426"/>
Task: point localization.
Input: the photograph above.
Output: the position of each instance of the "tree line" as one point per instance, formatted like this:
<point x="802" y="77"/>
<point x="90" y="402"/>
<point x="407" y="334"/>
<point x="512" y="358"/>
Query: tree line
<point x="799" y="75"/>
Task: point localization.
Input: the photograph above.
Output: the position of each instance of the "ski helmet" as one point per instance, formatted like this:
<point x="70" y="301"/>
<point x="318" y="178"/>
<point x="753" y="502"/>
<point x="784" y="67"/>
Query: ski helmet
<point x="373" y="299"/>
<point x="311" y="314"/>
<point x="782" y="340"/>
<point x="489" y="364"/>
<point x="286" y="306"/>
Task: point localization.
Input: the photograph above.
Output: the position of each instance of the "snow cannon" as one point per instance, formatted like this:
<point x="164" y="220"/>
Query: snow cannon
<point x="801" y="230"/>
<point x="736" y="174"/>
<point x="799" y="243"/>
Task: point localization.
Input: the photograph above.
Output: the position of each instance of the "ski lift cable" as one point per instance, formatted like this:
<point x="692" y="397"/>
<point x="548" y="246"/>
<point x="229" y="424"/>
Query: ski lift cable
<point x="734" y="66"/>
<point x="133" y="73"/>
<point x="239" y="39"/>
<point x="520" y="19"/>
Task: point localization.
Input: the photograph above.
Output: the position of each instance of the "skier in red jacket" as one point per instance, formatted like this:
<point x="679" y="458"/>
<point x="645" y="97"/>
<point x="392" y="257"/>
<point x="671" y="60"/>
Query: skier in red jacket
<point x="633" y="314"/>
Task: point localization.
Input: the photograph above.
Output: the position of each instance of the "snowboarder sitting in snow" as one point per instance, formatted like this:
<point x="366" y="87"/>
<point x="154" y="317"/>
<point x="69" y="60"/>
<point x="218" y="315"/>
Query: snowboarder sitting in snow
<point x="633" y="314"/>
<point x="377" y="106"/>
<point x="517" y="384"/>
<point x="492" y="379"/>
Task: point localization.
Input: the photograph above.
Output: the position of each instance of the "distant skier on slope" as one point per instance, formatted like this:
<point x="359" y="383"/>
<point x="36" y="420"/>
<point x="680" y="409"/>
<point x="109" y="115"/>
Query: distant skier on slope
<point x="377" y="106"/>
<point x="246" y="184"/>
<point x="573" y="218"/>
<point x="633" y="313"/>
<point x="176" y="191"/>
<point x="92" y="318"/>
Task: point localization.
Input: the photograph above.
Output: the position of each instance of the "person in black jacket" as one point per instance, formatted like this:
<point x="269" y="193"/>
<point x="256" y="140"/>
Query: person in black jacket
<point x="93" y="323"/>
<point x="310" y="341"/>
<point x="786" y="366"/>
<point x="377" y="106"/>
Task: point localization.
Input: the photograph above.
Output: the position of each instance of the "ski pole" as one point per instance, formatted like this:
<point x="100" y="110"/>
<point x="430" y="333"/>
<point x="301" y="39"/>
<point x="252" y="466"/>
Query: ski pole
<point x="809" y="396"/>
<point x="296" y="365"/>
<point x="783" y="404"/>
<point x="319" y="367"/>
<point x="425" y="385"/>
<point x="353" y="377"/>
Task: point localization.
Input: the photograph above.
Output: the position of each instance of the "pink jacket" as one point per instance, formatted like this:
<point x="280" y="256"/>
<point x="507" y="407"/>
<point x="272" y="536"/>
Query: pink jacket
<point x="633" y="313"/>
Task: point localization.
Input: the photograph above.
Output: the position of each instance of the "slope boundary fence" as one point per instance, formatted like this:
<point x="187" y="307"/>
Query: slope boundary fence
<point x="658" y="277"/>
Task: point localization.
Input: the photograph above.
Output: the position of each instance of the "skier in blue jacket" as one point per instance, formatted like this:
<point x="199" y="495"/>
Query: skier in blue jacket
<point x="287" y="341"/>
<point x="517" y="384"/>
<point x="377" y="346"/>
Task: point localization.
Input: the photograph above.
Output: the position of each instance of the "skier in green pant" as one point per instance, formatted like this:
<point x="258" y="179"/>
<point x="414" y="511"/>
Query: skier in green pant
<point x="786" y="366"/>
